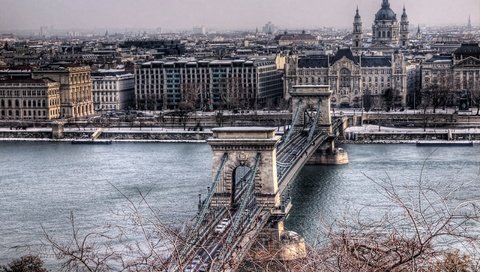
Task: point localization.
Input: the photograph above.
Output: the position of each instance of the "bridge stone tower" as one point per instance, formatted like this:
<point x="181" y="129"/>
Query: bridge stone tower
<point x="242" y="144"/>
<point x="307" y="98"/>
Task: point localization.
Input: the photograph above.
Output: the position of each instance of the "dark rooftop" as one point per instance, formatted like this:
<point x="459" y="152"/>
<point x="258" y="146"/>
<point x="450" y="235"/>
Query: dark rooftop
<point x="347" y="52"/>
<point x="313" y="62"/>
<point x="469" y="49"/>
<point x="376" y="61"/>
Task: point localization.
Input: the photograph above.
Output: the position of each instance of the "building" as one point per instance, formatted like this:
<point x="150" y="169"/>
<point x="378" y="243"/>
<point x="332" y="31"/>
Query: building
<point x="436" y="68"/>
<point x="304" y="39"/>
<point x="459" y="72"/>
<point x="29" y="99"/>
<point x="112" y="90"/>
<point x="350" y="77"/>
<point x="199" y="30"/>
<point x="387" y="32"/>
<point x="269" y="28"/>
<point x="207" y="84"/>
<point x="466" y="67"/>
<point x="76" y="98"/>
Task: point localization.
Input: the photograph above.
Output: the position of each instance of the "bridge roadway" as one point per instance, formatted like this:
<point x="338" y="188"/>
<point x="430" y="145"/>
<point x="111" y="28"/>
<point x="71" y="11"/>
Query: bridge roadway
<point x="211" y="250"/>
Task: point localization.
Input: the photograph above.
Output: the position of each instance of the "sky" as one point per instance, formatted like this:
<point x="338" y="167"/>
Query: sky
<point x="223" y="14"/>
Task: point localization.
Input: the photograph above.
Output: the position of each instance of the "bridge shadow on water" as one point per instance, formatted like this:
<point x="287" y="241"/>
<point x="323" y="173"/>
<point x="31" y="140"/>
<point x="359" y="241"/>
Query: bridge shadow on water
<point x="314" y="193"/>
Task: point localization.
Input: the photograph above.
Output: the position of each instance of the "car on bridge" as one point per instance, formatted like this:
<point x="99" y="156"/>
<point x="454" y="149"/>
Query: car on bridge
<point x="222" y="226"/>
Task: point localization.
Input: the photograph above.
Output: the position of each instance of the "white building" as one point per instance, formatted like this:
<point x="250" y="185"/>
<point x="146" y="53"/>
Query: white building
<point x="112" y="90"/>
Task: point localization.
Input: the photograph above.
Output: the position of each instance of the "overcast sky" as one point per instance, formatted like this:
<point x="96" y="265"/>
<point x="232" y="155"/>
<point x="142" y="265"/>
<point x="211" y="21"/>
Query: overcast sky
<point x="222" y="14"/>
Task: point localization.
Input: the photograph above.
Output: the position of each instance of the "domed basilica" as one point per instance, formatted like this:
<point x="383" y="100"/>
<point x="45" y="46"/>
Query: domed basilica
<point x="386" y="30"/>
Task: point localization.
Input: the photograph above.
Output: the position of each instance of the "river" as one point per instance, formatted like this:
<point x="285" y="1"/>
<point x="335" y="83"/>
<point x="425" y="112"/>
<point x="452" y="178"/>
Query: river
<point x="42" y="183"/>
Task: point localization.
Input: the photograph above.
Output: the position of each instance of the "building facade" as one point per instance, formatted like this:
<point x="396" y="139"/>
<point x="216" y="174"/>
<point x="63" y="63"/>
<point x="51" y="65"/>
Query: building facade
<point x="29" y="99"/>
<point x="112" y="90"/>
<point x="350" y="77"/>
<point x="457" y="73"/>
<point x="76" y="99"/>
<point x="207" y="85"/>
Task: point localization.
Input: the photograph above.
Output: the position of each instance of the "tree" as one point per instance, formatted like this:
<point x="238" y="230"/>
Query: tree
<point x="475" y="95"/>
<point x="144" y="245"/>
<point x="367" y="100"/>
<point x="389" y="97"/>
<point x="234" y="95"/>
<point x="416" y="233"/>
<point x="27" y="263"/>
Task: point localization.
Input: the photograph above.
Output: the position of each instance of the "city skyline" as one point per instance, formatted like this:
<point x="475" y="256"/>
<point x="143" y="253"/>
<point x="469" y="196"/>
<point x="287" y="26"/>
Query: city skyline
<point x="246" y="14"/>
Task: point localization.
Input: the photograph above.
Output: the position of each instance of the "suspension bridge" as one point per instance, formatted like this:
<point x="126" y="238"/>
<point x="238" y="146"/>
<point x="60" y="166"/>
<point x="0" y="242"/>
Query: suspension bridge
<point x="249" y="198"/>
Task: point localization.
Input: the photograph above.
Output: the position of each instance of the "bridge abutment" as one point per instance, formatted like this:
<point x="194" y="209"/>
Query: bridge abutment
<point x="328" y="154"/>
<point x="336" y="156"/>
<point x="58" y="130"/>
<point x="274" y="242"/>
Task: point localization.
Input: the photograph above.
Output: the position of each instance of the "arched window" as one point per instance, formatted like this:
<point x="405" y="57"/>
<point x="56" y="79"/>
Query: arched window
<point x="389" y="34"/>
<point x="2" y="103"/>
<point x="9" y="103"/>
<point x="345" y="78"/>
<point x="17" y="103"/>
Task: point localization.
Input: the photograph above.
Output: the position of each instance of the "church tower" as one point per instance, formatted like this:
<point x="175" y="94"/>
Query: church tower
<point x="404" y="29"/>
<point x="357" y="31"/>
<point x="419" y="33"/>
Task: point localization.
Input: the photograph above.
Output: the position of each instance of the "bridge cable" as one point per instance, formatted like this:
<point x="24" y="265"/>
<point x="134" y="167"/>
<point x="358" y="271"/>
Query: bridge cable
<point x="313" y="128"/>
<point x="294" y="122"/>
<point x="235" y="230"/>
<point x="204" y="210"/>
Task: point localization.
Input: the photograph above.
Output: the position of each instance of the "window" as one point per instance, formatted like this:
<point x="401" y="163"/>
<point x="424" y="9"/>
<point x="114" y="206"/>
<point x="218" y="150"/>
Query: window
<point x="345" y="77"/>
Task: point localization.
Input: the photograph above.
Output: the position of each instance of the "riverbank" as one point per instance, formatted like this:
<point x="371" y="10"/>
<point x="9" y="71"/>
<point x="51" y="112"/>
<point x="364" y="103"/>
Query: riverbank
<point x="141" y="135"/>
<point x="367" y="134"/>
<point x="374" y="134"/>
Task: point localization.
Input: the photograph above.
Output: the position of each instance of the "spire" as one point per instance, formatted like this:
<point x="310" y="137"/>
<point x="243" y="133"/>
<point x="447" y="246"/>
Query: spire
<point x="469" y="22"/>
<point x="385" y="4"/>
<point x="404" y="15"/>
<point x="357" y="14"/>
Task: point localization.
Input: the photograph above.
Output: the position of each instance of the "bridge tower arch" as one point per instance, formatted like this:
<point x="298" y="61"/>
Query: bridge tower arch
<point x="242" y="146"/>
<point x="309" y="97"/>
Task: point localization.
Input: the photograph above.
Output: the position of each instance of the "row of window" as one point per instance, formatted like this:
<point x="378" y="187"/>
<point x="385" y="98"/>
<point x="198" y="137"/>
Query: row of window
<point x="27" y="113"/>
<point x="28" y="103"/>
<point x="27" y="92"/>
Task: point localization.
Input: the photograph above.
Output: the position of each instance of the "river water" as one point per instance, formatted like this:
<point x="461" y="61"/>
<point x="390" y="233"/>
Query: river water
<point x="42" y="183"/>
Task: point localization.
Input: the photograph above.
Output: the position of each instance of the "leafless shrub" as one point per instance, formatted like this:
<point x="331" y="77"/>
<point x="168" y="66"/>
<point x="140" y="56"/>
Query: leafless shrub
<point x="144" y="244"/>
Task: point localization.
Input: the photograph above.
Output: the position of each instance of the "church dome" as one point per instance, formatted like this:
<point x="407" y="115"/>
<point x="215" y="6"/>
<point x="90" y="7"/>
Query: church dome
<point x="386" y="13"/>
